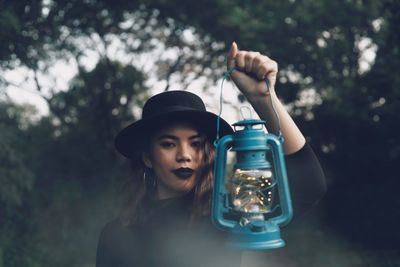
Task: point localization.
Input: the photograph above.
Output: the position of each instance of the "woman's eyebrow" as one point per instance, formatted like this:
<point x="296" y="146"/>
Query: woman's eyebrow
<point x="167" y="136"/>
<point x="196" y="136"/>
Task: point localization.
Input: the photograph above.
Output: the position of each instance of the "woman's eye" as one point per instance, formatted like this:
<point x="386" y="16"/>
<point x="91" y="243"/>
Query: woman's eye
<point x="167" y="144"/>
<point x="197" y="144"/>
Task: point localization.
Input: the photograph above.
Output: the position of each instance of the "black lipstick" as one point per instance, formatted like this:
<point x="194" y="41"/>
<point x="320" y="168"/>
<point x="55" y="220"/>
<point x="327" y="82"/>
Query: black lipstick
<point x="183" y="173"/>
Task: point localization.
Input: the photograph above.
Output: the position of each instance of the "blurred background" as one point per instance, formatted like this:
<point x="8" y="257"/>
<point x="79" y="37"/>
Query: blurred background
<point x="72" y="73"/>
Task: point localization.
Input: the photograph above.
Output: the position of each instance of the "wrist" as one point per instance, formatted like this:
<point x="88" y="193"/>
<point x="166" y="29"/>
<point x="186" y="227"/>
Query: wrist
<point x="261" y="97"/>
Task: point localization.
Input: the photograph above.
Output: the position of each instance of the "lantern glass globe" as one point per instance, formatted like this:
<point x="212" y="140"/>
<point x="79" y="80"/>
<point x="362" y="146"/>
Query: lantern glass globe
<point x="252" y="190"/>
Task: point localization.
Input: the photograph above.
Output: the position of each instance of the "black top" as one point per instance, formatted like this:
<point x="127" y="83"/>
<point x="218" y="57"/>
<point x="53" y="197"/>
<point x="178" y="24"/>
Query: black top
<point x="167" y="239"/>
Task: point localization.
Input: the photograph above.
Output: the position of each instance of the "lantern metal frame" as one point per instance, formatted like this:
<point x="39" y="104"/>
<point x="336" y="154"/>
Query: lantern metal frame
<point x="252" y="145"/>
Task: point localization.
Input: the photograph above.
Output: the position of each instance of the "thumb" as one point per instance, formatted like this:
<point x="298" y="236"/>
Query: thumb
<point x="232" y="56"/>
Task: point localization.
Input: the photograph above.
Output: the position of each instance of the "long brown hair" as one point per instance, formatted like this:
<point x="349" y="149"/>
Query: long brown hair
<point x="138" y="191"/>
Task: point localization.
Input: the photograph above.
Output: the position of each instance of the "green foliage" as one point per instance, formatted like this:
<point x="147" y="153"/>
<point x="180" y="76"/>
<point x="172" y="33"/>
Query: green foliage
<point x="98" y="102"/>
<point x="80" y="161"/>
<point x="16" y="179"/>
<point x="58" y="174"/>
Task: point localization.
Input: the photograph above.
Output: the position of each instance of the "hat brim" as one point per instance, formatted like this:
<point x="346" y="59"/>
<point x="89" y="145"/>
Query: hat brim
<point x="129" y="142"/>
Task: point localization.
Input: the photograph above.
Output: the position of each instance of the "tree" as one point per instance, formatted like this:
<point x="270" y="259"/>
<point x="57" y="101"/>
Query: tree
<point x="16" y="179"/>
<point x="349" y="110"/>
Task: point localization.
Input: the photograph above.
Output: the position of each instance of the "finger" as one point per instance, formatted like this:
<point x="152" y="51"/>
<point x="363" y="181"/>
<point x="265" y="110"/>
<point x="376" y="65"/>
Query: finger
<point x="258" y="61"/>
<point x="260" y="66"/>
<point x="262" y="72"/>
<point x="272" y="71"/>
<point x="267" y="70"/>
<point x="240" y="61"/>
<point x="249" y="57"/>
<point x="232" y="55"/>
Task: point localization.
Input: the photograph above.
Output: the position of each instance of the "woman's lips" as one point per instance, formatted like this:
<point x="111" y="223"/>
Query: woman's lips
<point x="183" y="173"/>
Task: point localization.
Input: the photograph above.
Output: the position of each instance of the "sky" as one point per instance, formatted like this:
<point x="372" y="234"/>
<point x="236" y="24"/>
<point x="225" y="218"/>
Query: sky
<point x="23" y="88"/>
<point x="26" y="92"/>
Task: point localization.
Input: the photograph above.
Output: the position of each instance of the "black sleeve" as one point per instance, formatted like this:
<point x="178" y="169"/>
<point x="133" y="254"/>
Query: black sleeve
<point x="306" y="179"/>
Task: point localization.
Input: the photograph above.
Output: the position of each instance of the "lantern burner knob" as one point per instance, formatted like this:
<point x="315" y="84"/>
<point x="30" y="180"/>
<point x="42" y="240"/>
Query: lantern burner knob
<point x="258" y="226"/>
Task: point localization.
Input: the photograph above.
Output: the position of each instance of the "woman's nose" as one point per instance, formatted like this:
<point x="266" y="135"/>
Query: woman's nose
<point x="183" y="154"/>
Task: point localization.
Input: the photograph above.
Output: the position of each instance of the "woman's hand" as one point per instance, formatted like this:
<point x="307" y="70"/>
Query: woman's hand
<point x="252" y="69"/>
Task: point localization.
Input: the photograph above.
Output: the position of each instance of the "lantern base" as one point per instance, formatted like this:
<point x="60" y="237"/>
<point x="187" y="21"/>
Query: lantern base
<point x="259" y="237"/>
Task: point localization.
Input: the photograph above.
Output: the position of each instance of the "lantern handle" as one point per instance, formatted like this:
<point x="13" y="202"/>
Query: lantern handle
<point x="283" y="184"/>
<point x="226" y="76"/>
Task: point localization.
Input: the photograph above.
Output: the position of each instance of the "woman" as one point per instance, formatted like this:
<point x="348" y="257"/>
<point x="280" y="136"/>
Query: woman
<point x="166" y="219"/>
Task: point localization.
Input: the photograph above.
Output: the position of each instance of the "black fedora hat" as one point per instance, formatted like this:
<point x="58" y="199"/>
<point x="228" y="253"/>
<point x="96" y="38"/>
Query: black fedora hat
<point x="168" y="107"/>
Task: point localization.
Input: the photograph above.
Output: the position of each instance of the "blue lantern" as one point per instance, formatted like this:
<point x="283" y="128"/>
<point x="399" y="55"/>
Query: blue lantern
<point x="254" y="202"/>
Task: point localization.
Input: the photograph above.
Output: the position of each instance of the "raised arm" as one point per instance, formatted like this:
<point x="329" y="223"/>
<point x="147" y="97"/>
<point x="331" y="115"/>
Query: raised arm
<point x="252" y="69"/>
<point x="307" y="180"/>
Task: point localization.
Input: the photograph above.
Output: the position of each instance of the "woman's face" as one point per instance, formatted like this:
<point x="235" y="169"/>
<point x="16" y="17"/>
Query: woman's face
<point x="175" y="155"/>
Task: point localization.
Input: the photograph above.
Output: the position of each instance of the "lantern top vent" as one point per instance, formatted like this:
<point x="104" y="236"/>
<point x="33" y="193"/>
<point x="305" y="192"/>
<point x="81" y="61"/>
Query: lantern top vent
<point x="249" y="124"/>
